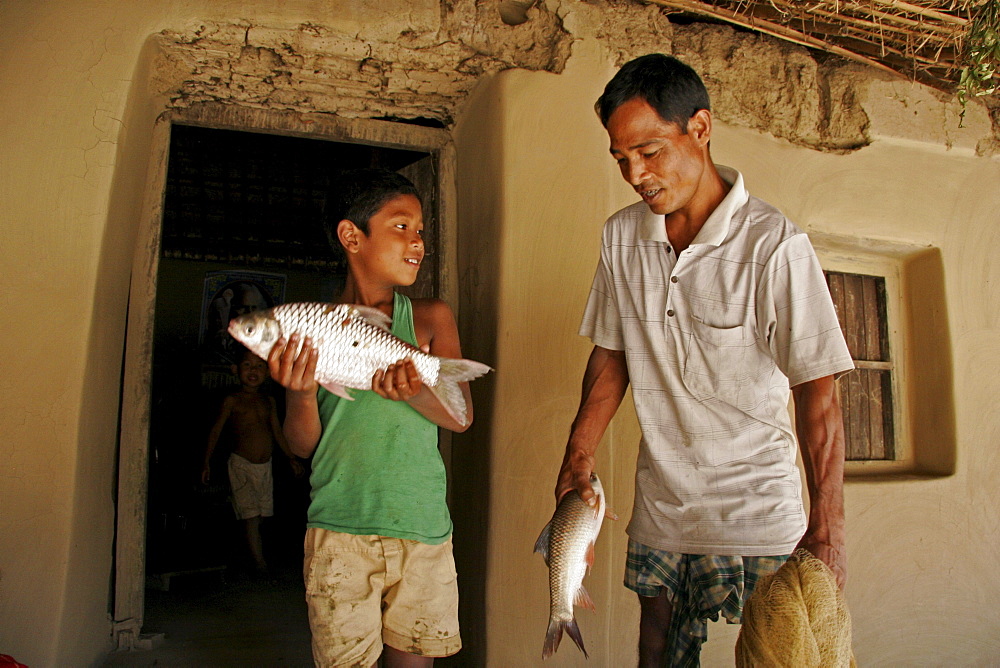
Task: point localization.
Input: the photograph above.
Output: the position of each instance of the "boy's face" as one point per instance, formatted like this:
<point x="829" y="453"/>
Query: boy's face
<point x="394" y="247"/>
<point x="252" y="371"/>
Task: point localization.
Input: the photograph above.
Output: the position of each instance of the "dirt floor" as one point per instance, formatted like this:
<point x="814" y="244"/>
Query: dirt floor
<point x="225" y="620"/>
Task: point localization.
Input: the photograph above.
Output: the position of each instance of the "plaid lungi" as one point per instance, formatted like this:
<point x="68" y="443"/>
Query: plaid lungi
<point x="699" y="587"/>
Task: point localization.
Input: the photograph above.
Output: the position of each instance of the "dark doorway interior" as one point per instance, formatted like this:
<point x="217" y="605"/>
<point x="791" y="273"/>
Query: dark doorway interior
<point x="240" y="231"/>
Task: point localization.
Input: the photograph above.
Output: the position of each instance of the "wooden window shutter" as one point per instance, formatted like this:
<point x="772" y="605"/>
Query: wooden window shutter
<point x="866" y="392"/>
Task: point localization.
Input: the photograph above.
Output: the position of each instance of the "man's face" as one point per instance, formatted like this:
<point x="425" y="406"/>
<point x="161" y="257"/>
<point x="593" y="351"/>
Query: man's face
<point x="662" y="164"/>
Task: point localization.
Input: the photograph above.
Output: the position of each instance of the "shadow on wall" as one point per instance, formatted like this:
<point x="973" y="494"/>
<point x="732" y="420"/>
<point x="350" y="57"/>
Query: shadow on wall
<point x="933" y="399"/>
<point x="479" y="241"/>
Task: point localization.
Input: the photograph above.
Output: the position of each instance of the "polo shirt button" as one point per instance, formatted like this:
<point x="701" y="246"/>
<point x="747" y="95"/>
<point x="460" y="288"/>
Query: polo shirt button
<point x="670" y="313"/>
<point x="673" y="279"/>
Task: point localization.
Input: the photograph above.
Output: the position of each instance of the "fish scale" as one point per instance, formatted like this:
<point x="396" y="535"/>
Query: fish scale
<point x="353" y="342"/>
<point x="352" y="347"/>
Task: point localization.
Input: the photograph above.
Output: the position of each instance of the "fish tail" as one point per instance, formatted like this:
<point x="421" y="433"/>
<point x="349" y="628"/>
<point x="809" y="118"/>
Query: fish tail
<point x="553" y="635"/>
<point x="453" y="372"/>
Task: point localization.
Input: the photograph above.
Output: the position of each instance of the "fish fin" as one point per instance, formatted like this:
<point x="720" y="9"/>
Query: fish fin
<point x="610" y="514"/>
<point x="583" y="600"/>
<point x="542" y="544"/>
<point x="453" y="372"/>
<point x="460" y="371"/>
<point x="338" y="389"/>
<point x="589" y="557"/>
<point x="574" y="632"/>
<point x="554" y="634"/>
<point x="373" y="316"/>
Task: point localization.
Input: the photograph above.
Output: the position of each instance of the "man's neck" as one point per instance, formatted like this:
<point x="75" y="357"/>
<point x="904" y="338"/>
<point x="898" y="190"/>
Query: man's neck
<point x="684" y="224"/>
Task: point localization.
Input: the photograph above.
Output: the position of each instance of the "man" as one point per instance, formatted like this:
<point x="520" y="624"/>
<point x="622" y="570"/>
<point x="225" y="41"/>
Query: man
<point x="712" y="305"/>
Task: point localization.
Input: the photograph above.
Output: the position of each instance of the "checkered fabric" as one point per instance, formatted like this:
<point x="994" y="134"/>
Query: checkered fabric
<point x="699" y="586"/>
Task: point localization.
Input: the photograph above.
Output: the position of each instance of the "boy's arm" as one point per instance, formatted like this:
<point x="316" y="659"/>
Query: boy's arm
<point x="297" y="374"/>
<point x="437" y="334"/>
<point x="213" y="438"/>
<point x="279" y="435"/>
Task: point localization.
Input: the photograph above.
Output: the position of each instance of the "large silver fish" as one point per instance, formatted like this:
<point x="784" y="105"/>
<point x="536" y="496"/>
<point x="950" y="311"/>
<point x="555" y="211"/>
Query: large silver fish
<point x="567" y="543"/>
<point x="353" y="343"/>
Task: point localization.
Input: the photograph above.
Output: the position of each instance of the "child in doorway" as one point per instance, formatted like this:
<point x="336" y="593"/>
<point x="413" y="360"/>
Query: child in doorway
<point x="254" y="420"/>
<point x="380" y="575"/>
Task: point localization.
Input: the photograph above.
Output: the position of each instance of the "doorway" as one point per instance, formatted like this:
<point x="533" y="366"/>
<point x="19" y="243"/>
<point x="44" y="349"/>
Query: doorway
<point x="232" y="212"/>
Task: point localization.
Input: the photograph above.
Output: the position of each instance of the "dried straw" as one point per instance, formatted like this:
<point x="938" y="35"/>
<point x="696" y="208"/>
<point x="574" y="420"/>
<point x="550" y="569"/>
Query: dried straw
<point x="927" y="40"/>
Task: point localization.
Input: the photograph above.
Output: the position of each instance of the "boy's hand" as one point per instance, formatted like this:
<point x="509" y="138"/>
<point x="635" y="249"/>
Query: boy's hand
<point x="294" y="371"/>
<point x="398" y="381"/>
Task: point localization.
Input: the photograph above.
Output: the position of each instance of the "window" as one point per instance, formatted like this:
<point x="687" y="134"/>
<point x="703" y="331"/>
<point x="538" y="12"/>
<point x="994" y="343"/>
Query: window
<point x="866" y="393"/>
<point x="898" y="404"/>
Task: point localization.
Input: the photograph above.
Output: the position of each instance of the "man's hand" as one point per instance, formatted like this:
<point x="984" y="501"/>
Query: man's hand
<point x="834" y="556"/>
<point x="206" y="473"/>
<point x="575" y="474"/>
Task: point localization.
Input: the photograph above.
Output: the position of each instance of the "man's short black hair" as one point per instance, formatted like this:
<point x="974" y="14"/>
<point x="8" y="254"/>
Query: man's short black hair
<point x="357" y="195"/>
<point x="669" y="86"/>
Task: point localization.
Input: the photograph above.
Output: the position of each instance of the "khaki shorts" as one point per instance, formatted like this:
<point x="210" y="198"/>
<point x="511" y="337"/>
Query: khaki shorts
<point x="366" y="591"/>
<point x="252" y="487"/>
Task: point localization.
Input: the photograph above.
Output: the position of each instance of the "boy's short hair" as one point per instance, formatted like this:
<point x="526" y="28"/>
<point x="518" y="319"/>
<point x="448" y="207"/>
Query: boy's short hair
<point x="357" y="195"/>
<point x="240" y="352"/>
<point x="669" y="86"/>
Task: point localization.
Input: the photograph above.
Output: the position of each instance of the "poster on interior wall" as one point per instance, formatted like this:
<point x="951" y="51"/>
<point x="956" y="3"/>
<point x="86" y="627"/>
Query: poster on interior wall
<point x="227" y="294"/>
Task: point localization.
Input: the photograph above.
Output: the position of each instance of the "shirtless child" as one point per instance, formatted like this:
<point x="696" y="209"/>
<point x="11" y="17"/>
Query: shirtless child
<point x="253" y="417"/>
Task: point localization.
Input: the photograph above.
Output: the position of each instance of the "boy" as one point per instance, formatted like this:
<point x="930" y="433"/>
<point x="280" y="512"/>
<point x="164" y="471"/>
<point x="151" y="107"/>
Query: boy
<point x="380" y="575"/>
<point x="254" y="420"/>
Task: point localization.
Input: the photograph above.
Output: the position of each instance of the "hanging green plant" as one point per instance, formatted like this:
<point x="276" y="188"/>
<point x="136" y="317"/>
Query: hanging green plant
<point x="981" y="64"/>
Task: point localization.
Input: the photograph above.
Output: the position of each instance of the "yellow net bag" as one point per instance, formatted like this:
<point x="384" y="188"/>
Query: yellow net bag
<point x="797" y="618"/>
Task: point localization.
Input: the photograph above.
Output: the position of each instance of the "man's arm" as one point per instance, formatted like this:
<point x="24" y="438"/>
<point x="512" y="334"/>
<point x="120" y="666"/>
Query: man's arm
<point x="604" y="385"/>
<point x="296" y="372"/>
<point x="820" y="428"/>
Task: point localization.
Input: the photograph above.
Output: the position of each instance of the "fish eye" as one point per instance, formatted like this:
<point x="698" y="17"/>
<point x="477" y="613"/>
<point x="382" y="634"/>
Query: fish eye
<point x="249" y="330"/>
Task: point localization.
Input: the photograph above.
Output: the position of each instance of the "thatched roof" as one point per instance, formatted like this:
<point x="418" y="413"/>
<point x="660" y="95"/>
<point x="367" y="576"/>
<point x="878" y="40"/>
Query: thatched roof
<point x="953" y="45"/>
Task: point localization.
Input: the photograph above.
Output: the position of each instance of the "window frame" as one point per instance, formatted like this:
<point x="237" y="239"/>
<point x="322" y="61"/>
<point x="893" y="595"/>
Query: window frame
<point x="918" y="339"/>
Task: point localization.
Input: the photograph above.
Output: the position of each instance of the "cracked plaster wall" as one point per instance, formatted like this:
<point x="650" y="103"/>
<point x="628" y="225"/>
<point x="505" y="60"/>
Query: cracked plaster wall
<point x="423" y="64"/>
<point x="420" y="71"/>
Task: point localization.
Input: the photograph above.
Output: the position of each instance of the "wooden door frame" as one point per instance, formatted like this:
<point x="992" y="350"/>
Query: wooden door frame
<point x="133" y="458"/>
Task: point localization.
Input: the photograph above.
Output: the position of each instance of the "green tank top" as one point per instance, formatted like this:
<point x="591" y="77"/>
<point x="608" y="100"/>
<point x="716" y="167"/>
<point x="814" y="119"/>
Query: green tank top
<point x="377" y="469"/>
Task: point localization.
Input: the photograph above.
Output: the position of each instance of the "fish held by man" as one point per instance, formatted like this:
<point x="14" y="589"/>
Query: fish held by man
<point x="353" y="342"/>
<point x="567" y="544"/>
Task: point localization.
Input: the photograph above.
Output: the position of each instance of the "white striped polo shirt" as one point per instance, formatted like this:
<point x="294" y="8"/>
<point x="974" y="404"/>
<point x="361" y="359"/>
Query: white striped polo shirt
<point x="714" y="339"/>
